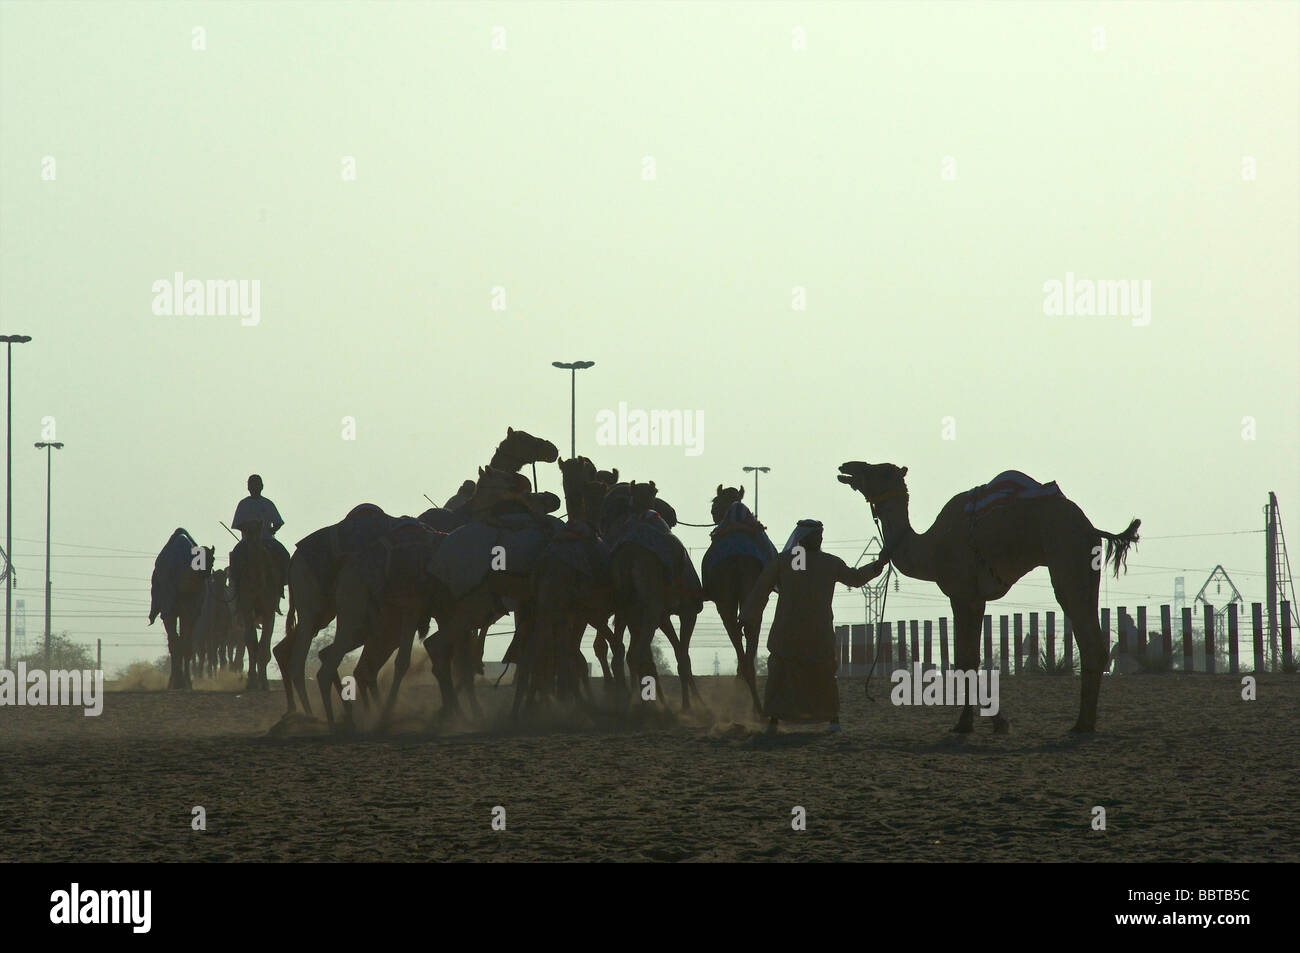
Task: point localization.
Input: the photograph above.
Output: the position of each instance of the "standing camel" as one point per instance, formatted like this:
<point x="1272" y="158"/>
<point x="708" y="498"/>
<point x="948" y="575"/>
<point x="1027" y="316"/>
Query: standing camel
<point x="257" y="601"/>
<point x="738" y="551"/>
<point x="176" y="593"/>
<point x="985" y="539"/>
<point x="653" y="577"/>
<point x="313" y="574"/>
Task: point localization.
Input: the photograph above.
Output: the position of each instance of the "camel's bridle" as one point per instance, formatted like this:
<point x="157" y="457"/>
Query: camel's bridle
<point x="886" y="550"/>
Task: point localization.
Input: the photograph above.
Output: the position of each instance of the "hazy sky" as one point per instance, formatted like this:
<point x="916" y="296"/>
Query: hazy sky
<point x="921" y="170"/>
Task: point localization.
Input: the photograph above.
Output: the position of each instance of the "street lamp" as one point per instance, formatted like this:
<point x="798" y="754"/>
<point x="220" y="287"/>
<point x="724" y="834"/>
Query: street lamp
<point x="10" y="340"/>
<point x="49" y="447"/>
<point x="573" y="369"/>
<point x="756" y="471"/>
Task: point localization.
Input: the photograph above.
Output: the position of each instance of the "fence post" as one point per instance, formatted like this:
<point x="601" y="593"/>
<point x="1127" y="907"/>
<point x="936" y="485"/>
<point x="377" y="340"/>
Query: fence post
<point x="1166" y="638"/>
<point x="1004" y="644"/>
<point x="1209" y="639"/>
<point x="871" y="647"/>
<point x="1232" y="638"/>
<point x="1122" y="625"/>
<point x="1257" y="626"/>
<point x="1105" y="634"/>
<point x="1051" y="637"/>
<point x="943" y="643"/>
<point x="1068" y="637"/>
<point x="1189" y="663"/>
<point x="1033" y="642"/>
<point x="916" y="645"/>
<point x="1288" y="660"/>
<point x="1142" y="633"/>
<point x="1019" y="621"/>
<point x="988" y="643"/>
<point x="883" y="631"/>
<point x="928" y="660"/>
<point x="99" y="655"/>
<point x="858" y="645"/>
<point x="902" y="643"/>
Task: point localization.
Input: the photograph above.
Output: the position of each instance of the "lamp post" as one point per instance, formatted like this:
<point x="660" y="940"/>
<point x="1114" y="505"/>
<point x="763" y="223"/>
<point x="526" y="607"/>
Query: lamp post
<point x="49" y="447"/>
<point x="573" y="367"/>
<point x="756" y="471"/>
<point x="10" y="340"/>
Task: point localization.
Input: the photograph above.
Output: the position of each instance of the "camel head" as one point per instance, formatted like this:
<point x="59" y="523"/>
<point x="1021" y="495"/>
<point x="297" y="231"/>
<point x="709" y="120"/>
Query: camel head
<point x="526" y="448"/>
<point x="593" y="498"/>
<point x="873" y="480"/>
<point x="722" y="501"/>
<point x="643" y="495"/>
<point x="210" y="554"/>
<point x="496" y="485"/>
<point x="543" y="502"/>
<point x="607" y="477"/>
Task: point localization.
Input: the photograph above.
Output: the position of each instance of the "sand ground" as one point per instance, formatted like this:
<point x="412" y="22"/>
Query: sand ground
<point x="1185" y="769"/>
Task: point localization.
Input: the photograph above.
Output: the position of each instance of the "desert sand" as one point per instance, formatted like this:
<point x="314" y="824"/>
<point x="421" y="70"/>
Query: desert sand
<point x="1186" y="770"/>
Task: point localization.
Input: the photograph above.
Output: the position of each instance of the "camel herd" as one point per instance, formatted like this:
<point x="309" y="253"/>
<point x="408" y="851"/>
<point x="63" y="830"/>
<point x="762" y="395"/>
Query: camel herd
<point x="612" y="564"/>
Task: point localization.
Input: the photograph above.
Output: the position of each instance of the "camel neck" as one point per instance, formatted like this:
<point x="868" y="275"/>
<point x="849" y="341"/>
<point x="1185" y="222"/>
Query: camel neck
<point x="901" y="540"/>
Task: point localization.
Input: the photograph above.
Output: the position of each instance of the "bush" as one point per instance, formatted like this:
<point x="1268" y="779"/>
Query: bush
<point x="65" y="655"/>
<point x="1052" y="665"/>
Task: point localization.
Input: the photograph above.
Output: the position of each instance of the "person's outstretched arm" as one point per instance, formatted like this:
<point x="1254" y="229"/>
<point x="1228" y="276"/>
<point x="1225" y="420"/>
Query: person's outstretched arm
<point x="862" y="575"/>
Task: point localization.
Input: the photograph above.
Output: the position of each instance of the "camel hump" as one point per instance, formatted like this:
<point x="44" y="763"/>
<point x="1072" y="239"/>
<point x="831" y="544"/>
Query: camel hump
<point x="1009" y="486"/>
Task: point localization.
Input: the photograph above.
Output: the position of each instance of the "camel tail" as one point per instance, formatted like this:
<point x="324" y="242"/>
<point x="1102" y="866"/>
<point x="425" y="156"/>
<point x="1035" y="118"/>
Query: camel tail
<point x="1117" y="545"/>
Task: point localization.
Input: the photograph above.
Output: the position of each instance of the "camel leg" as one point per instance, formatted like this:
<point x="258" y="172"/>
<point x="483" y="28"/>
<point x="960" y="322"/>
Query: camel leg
<point x="400" y="666"/>
<point x="264" y="650"/>
<point x="1075" y="585"/>
<point x="284" y="651"/>
<point x="304" y="635"/>
<point x="966" y="638"/>
<point x="174" y="650"/>
<point x="601" y="647"/>
<point x="327" y="676"/>
<point x="250" y="650"/>
<point x="619" y="665"/>
<point x="729" y="610"/>
<point x="438" y="647"/>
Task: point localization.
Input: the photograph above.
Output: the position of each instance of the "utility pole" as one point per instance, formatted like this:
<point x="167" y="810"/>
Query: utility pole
<point x="49" y="447"/>
<point x="573" y="367"/>
<point x="10" y="340"/>
<point x="756" y="471"/>
<point x="1270" y="574"/>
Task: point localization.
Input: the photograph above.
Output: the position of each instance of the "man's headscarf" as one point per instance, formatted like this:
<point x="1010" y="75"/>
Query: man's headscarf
<point x="802" y="531"/>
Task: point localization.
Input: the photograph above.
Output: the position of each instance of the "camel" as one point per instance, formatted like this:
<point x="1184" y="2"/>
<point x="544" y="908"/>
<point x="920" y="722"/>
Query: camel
<point x="212" y="632"/>
<point x="481" y="594"/>
<point x="512" y="454"/>
<point x="313" y="571"/>
<point x="257" y="601"/>
<point x="571" y="590"/>
<point x="384" y="597"/>
<point x="176" y="594"/>
<point x="975" y="553"/>
<point x="737" y="553"/>
<point x="646" y="590"/>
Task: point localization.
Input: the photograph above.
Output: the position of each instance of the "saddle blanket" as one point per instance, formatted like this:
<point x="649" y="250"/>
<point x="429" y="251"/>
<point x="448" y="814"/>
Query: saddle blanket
<point x="739" y="534"/>
<point x="466" y="555"/>
<point x="175" y="555"/>
<point x="1010" y="486"/>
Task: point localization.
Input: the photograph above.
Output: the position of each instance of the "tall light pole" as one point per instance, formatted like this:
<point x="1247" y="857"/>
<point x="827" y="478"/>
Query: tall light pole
<point x="49" y="447"/>
<point x="10" y="340"/>
<point x="756" y="471"/>
<point x="573" y="367"/>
